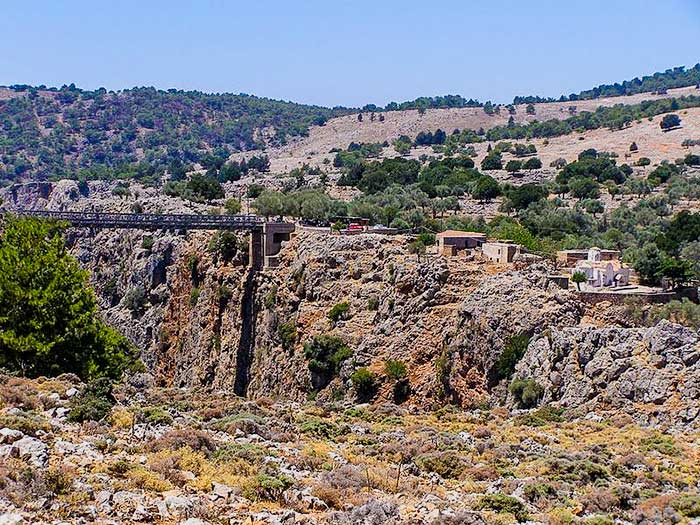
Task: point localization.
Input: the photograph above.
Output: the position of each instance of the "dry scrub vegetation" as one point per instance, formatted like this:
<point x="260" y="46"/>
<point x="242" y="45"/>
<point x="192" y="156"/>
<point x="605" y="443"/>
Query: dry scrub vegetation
<point x="165" y="456"/>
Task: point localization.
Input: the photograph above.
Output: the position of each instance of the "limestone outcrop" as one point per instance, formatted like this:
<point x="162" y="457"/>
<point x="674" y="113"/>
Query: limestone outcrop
<point x="651" y="374"/>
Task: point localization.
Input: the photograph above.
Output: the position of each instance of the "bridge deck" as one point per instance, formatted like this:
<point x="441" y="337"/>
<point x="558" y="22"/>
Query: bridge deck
<point x="144" y="221"/>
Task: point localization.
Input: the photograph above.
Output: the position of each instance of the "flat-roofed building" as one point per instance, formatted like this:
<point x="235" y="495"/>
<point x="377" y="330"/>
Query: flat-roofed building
<point x="500" y="251"/>
<point x="451" y="240"/>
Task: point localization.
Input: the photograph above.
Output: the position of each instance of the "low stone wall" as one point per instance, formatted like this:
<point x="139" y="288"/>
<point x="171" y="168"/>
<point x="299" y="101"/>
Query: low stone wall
<point x="650" y="298"/>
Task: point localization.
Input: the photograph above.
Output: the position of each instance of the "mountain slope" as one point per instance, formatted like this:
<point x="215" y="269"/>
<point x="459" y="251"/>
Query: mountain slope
<point x="58" y="132"/>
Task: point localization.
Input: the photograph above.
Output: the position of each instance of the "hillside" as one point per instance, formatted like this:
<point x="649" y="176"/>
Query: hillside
<point x="55" y="133"/>
<point x="58" y="133"/>
<point x="341" y="131"/>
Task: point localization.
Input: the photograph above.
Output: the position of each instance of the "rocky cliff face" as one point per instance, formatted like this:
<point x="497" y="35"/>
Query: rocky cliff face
<point x="201" y="320"/>
<point x="651" y="374"/>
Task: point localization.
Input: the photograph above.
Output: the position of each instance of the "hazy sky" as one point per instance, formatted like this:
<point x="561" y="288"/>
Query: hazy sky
<point x="347" y="53"/>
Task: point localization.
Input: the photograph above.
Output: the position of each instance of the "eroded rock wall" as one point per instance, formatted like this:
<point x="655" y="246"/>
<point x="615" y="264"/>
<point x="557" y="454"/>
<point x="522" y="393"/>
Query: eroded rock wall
<point x="651" y="374"/>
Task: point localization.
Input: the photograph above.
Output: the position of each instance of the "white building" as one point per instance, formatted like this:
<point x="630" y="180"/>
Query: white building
<point x="600" y="272"/>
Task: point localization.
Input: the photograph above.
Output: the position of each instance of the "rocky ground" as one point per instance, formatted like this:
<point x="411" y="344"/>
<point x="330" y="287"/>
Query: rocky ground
<point x="194" y="456"/>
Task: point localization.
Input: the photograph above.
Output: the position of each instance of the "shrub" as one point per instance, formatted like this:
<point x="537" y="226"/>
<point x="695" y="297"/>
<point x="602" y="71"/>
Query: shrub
<point x="25" y="422"/>
<point x="232" y="206"/>
<point x="155" y="416"/>
<point x="526" y="392"/>
<point x="541" y="417"/>
<point x="271" y="298"/>
<point x="688" y="506"/>
<point x="669" y="122"/>
<point x="224" y="245"/>
<point x="491" y="162"/>
<point x="372" y="304"/>
<point x="395" y="369"/>
<point x="135" y="300"/>
<point x="503" y="503"/>
<point x="662" y="443"/>
<point x="325" y="354"/>
<point x="320" y="428"/>
<point x="512" y="353"/>
<point x="364" y="381"/>
<point x="93" y="403"/>
<point x="339" y="311"/>
<point x="59" y="480"/>
<point x="194" y="296"/>
<point x="692" y="160"/>
<point x="643" y="161"/>
<point x="267" y="487"/>
<point x="287" y="333"/>
<point x="147" y="242"/>
<point x="427" y="239"/>
<point x="537" y="491"/>
<point x="192" y="262"/>
<point x="532" y="164"/>
<point x="558" y="163"/>
<point x="448" y="464"/>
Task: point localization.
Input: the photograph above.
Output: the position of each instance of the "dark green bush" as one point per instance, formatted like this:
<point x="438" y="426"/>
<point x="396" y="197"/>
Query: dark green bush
<point x="526" y="392"/>
<point x="287" y="333"/>
<point x="325" y="354"/>
<point x="503" y="503"/>
<point x="512" y="353"/>
<point x="320" y="428"/>
<point x="339" y="311"/>
<point x="93" y="403"/>
<point x="147" y="242"/>
<point x="194" y="296"/>
<point x="395" y="369"/>
<point x="365" y="383"/>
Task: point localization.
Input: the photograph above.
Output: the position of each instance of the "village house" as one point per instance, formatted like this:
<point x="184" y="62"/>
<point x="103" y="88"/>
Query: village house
<point x="451" y="241"/>
<point x="500" y="251"/>
<point x="602" y="272"/>
<point x="569" y="258"/>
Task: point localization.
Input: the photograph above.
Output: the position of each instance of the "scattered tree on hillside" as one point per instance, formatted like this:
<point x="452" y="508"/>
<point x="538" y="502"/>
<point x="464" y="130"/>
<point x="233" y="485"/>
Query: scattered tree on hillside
<point x="492" y="162"/>
<point x="513" y="166"/>
<point x="669" y="122"/>
<point x="532" y="163"/>
<point x="486" y="189"/>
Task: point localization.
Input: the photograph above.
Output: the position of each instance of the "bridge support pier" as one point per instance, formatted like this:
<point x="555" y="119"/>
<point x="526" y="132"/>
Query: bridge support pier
<point x="266" y="243"/>
<point x="256" y="256"/>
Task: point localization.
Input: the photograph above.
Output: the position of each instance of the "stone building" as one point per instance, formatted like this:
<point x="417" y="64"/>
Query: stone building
<point x="500" y="251"/>
<point x="450" y="241"/>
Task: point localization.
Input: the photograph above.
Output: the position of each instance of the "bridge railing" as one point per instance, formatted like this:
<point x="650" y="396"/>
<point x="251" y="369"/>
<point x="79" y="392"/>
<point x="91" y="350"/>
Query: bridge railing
<point x="148" y="221"/>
